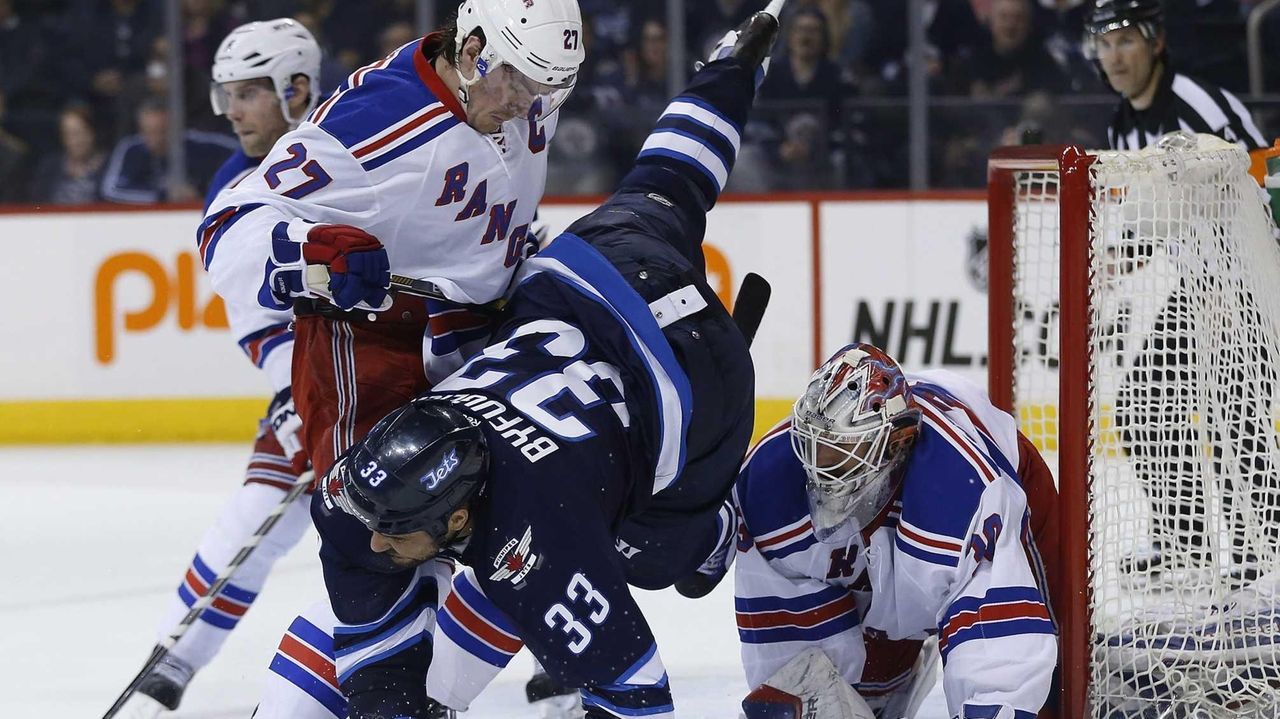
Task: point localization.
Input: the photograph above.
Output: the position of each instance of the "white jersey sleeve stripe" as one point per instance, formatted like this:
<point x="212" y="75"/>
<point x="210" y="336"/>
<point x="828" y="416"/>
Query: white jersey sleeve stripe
<point x="1002" y="612"/>
<point x="688" y="150"/>
<point x="705" y="115"/>
<point x="354" y="80"/>
<point x="399" y="132"/>
<point x="975" y="457"/>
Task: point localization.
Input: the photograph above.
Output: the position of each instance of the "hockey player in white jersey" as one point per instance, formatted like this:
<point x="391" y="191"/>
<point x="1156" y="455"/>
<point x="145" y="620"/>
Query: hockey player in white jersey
<point x="430" y="162"/>
<point x="265" y="80"/>
<point x="889" y="507"/>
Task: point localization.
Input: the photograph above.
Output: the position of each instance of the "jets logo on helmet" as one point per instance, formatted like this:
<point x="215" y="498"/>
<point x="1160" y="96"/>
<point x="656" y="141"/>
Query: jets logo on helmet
<point x="540" y="41"/>
<point x="433" y="478"/>
<point x="276" y="50"/>
<point x="430" y="459"/>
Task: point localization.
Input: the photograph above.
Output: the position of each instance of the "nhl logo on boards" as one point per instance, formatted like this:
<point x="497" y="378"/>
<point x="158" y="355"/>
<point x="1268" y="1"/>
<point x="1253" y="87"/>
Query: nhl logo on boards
<point x="515" y="560"/>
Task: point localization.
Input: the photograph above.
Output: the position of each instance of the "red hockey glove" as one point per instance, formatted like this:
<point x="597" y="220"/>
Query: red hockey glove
<point x="358" y="267"/>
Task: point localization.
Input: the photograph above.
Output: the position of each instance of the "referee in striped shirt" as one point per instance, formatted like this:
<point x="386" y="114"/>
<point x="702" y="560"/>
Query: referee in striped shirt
<point x="1126" y="39"/>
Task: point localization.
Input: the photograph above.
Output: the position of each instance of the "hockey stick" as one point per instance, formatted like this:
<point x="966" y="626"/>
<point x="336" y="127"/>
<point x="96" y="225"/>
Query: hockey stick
<point x="162" y="649"/>
<point x="417" y="288"/>
<point x="749" y="307"/>
<point x="317" y="278"/>
<point x="774" y="8"/>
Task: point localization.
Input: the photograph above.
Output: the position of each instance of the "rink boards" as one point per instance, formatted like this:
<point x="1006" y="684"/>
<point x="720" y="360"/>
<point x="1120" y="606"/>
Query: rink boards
<point x="113" y="333"/>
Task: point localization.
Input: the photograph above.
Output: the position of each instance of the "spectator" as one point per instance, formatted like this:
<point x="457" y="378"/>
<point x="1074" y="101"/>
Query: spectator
<point x="805" y="161"/>
<point x="204" y="24"/>
<point x="578" y="165"/>
<point x="611" y="25"/>
<point x="332" y="73"/>
<point x="706" y="21"/>
<point x="851" y="26"/>
<point x="154" y="81"/>
<point x="138" y="170"/>
<point x="953" y="33"/>
<point x="73" y="175"/>
<point x="28" y="75"/>
<point x="602" y="79"/>
<point x="646" y="70"/>
<point x="1063" y="23"/>
<point x="1014" y="62"/>
<point x="803" y="72"/>
<point x="12" y="154"/>
<point x="642" y="89"/>
<point x="249" y="10"/>
<point x="395" y="35"/>
<point x="115" y="38"/>
<point x="353" y="29"/>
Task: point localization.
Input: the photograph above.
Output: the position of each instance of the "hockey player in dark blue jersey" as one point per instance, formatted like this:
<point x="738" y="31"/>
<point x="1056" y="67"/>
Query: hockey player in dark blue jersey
<point x="587" y="448"/>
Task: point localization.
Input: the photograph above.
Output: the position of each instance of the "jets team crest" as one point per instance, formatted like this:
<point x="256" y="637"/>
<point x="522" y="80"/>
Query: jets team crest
<point x="516" y="560"/>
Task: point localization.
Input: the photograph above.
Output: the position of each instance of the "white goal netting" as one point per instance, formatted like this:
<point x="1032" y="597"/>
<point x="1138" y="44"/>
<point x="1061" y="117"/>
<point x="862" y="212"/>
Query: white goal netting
<point x="1184" y="464"/>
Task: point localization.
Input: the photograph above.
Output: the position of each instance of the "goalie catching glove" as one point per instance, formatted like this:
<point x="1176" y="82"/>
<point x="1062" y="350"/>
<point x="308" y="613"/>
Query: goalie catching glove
<point x="340" y="263"/>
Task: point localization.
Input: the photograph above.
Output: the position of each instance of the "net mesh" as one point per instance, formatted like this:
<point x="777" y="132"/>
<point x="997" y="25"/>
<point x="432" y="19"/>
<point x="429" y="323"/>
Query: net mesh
<point x="1184" y="489"/>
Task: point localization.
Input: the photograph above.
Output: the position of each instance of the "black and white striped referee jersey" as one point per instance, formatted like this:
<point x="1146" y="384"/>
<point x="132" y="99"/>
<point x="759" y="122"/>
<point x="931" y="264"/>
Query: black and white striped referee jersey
<point x="1183" y="103"/>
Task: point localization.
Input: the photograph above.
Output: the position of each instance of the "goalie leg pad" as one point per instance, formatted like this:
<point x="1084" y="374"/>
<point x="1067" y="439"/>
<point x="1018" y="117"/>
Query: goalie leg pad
<point x="808" y="687"/>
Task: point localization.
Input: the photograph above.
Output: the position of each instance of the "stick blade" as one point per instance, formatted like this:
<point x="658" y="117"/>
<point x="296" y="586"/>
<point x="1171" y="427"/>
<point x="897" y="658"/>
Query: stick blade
<point x="748" y="308"/>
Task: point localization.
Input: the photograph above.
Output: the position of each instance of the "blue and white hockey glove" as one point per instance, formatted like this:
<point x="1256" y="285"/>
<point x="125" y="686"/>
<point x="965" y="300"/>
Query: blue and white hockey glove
<point x="284" y="422"/>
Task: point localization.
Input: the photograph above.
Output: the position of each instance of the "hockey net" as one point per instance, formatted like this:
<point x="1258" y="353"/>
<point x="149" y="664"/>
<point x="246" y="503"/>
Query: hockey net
<point x="1135" y="333"/>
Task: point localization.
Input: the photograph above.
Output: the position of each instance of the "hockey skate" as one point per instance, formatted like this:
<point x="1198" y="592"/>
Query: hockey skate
<point x="160" y="691"/>
<point x="552" y="699"/>
<point x="752" y="41"/>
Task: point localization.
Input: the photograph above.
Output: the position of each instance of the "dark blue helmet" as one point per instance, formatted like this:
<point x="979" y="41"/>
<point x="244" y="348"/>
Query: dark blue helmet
<point x="1107" y="15"/>
<point x="414" y="469"/>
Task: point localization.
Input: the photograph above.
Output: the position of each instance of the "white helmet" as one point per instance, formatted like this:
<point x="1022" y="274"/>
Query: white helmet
<point x="277" y="49"/>
<point x="542" y="39"/>
<point x="853" y="426"/>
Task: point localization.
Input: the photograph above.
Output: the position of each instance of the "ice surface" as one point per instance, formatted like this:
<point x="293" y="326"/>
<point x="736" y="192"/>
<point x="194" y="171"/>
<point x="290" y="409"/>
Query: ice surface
<point x="94" y="539"/>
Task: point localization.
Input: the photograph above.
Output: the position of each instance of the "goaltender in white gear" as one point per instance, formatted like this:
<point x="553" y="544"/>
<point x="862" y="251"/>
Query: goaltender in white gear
<point x="889" y="505"/>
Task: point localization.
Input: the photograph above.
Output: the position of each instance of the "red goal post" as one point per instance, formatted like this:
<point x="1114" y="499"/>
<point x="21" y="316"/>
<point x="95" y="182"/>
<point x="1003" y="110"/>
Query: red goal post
<point x="1070" y="165"/>
<point x="1134" y="331"/>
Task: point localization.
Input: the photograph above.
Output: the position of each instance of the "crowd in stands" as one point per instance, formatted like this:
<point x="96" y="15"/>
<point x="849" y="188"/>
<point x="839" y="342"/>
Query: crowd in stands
<point x="83" y="113"/>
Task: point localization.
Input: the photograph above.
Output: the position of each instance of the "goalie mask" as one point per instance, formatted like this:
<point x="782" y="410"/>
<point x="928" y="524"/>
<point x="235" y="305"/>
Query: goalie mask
<point x="533" y="49"/>
<point x="415" y="468"/>
<point x="852" y="428"/>
<point x="273" y="49"/>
